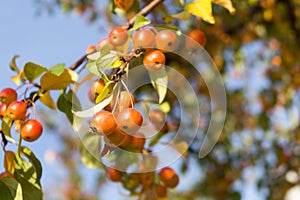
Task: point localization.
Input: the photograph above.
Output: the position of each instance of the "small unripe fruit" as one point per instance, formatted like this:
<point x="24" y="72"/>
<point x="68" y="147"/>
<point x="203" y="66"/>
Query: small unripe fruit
<point x="195" y="39"/>
<point x="16" y="110"/>
<point x="114" y="174"/>
<point x="118" y="36"/>
<point x="31" y="130"/>
<point x="154" y="60"/>
<point x="3" y="108"/>
<point x="160" y="191"/>
<point x="103" y="122"/>
<point x="168" y="177"/>
<point x="166" y="40"/>
<point x="95" y="89"/>
<point x="143" y="38"/>
<point x="129" y="120"/>
<point x="8" y="95"/>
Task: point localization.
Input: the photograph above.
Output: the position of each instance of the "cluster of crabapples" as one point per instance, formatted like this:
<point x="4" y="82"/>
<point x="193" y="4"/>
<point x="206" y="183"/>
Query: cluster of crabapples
<point x="12" y="109"/>
<point x="119" y="122"/>
<point x="156" y="43"/>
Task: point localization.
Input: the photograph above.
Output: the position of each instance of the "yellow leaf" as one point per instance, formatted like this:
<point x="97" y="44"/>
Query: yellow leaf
<point x="18" y="78"/>
<point x="226" y="4"/>
<point x="181" y="147"/>
<point x="9" y="161"/>
<point x="50" y="81"/>
<point x="47" y="100"/>
<point x="202" y="9"/>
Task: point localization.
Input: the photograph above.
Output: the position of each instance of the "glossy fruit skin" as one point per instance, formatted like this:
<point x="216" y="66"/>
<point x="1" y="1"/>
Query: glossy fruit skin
<point x="138" y="142"/>
<point x="194" y="39"/>
<point x="104" y="123"/>
<point x="166" y="40"/>
<point x="129" y="120"/>
<point x="3" y="108"/>
<point x="143" y="38"/>
<point x="168" y="177"/>
<point x="118" y="36"/>
<point x="103" y="42"/>
<point x="114" y="175"/>
<point x="160" y="191"/>
<point x="95" y="89"/>
<point x="8" y="95"/>
<point x="154" y="60"/>
<point x="16" y="110"/>
<point x="117" y="137"/>
<point x="31" y="130"/>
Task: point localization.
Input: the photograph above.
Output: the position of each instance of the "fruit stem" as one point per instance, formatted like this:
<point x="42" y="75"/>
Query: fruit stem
<point x="126" y="88"/>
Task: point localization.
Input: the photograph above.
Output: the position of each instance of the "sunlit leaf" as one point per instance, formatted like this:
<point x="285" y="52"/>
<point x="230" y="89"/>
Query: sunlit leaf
<point x="20" y="77"/>
<point x="139" y="22"/>
<point x="106" y="61"/>
<point x="118" y="63"/>
<point x="202" y="9"/>
<point x="103" y="93"/>
<point x="34" y="161"/>
<point x="92" y="67"/>
<point x="14" y="187"/>
<point x="91" y="111"/>
<point x="12" y="65"/>
<point x="6" y="125"/>
<point x="48" y="100"/>
<point x="226" y="4"/>
<point x="94" y="56"/>
<point x="33" y="70"/>
<point x="159" y="80"/>
<point x="90" y="150"/>
<point x="58" y="69"/>
<point x="27" y="177"/>
<point x="9" y="161"/>
<point x="50" y="81"/>
<point x="182" y="15"/>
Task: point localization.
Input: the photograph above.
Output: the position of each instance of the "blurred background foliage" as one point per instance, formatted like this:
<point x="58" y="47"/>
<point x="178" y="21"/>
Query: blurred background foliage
<point x="257" y="52"/>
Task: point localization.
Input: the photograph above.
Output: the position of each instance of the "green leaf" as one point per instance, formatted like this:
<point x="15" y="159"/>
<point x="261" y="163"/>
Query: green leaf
<point x="33" y="70"/>
<point x="90" y="149"/>
<point x="93" y="56"/>
<point x="105" y="50"/>
<point x="91" y="111"/>
<point x="58" y="69"/>
<point x="4" y="191"/>
<point x="34" y="161"/>
<point x="50" y="81"/>
<point x="139" y="22"/>
<point x="12" y="65"/>
<point x="92" y="67"/>
<point x="202" y="9"/>
<point x="185" y="16"/>
<point x="159" y="80"/>
<point x="14" y="187"/>
<point x="68" y="102"/>
<point x="106" y="61"/>
<point x="6" y="125"/>
<point x="27" y="177"/>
